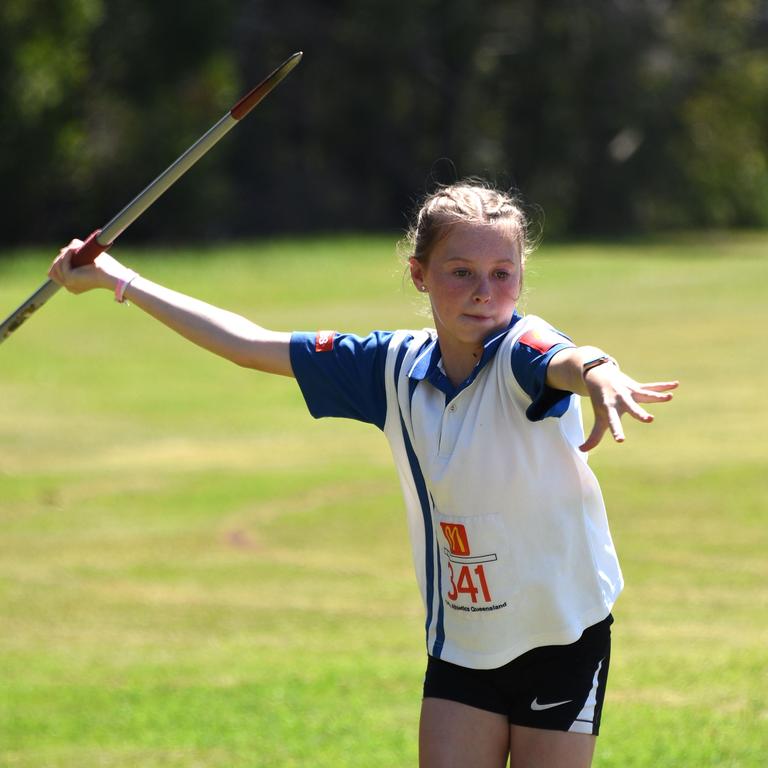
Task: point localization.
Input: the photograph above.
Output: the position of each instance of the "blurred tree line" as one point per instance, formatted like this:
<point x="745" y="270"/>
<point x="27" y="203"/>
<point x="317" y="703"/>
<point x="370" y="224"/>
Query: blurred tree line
<point x="611" y="115"/>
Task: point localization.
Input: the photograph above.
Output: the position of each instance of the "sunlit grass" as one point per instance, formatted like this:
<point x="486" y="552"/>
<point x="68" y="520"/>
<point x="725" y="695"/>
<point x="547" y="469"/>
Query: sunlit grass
<point x="194" y="572"/>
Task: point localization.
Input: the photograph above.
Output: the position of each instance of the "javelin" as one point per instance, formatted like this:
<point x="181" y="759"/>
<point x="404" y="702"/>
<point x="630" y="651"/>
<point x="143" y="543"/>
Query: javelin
<point x="101" y="239"/>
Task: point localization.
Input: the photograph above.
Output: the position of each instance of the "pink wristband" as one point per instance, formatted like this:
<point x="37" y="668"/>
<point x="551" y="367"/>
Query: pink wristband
<point x="121" y="286"/>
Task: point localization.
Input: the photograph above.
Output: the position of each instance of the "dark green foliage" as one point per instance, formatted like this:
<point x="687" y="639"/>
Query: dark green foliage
<point x="612" y="116"/>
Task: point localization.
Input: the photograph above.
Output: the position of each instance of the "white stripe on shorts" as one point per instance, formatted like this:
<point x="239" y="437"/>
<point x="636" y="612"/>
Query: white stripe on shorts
<point x="584" y="721"/>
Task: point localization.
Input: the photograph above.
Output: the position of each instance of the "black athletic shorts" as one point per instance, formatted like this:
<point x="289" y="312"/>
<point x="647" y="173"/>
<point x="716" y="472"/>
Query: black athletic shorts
<point x="557" y="687"/>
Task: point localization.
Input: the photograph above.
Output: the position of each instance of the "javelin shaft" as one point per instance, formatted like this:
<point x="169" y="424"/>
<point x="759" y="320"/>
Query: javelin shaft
<point x="119" y="223"/>
<point x="28" y="307"/>
<point x="101" y="239"/>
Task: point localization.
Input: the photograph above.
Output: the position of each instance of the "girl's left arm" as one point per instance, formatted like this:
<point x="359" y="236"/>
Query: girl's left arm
<point x="611" y="391"/>
<point x="222" y="332"/>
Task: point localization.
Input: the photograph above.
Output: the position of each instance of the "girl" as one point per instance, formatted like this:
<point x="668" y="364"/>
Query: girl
<point x="510" y="540"/>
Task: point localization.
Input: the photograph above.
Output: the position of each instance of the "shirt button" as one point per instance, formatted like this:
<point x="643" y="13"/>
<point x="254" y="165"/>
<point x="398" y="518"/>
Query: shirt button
<point x="452" y="407"/>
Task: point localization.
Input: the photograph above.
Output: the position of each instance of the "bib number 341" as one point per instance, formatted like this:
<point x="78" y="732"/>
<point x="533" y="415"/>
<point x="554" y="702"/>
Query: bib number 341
<point x="470" y="581"/>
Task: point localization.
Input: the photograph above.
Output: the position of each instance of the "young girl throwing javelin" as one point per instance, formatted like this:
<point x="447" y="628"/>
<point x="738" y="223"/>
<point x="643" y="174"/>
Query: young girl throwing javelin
<point x="511" y="545"/>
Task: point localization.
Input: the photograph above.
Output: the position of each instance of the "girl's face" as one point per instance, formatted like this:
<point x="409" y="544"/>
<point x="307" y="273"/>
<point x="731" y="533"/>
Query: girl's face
<point x="473" y="277"/>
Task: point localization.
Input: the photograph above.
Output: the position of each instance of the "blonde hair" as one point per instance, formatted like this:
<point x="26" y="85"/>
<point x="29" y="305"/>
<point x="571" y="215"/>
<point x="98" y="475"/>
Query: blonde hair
<point x="468" y="201"/>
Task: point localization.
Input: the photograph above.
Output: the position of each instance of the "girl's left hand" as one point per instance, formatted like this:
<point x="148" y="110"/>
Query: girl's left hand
<point x="613" y="394"/>
<point x="104" y="272"/>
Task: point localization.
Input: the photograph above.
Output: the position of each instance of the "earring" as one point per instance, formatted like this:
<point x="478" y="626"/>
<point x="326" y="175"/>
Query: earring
<point x="423" y="288"/>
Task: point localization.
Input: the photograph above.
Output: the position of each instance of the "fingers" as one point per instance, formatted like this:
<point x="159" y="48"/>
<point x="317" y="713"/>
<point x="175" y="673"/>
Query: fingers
<point x="661" y="386"/>
<point x="610" y="422"/>
<point x="638" y="413"/>
<point x="595" y="436"/>
<point x="69" y="250"/>
<point x="610" y="403"/>
<point x="654" y="393"/>
<point x="646" y="396"/>
<point x="61" y="264"/>
<point x="614" y="425"/>
<point x="74" y="279"/>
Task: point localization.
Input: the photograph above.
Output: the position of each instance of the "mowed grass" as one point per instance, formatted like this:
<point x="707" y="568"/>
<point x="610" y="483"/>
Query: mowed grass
<point x="194" y="572"/>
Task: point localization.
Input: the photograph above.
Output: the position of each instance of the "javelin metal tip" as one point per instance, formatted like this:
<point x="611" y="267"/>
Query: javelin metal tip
<point x="253" y="97"/>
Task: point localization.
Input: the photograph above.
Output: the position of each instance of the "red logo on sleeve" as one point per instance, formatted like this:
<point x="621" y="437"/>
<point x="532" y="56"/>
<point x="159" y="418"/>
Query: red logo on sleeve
<point x="324" y="341"/>
<point x="542" y="340"/>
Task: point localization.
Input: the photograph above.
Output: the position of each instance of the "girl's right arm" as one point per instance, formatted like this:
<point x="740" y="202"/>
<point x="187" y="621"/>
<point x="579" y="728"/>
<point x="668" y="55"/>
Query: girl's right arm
<point x="224" y="333"/>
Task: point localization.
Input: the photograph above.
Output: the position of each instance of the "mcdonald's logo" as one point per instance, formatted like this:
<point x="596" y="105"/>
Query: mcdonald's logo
<point x="456" y="535"/>
<point x="324" y="341"/>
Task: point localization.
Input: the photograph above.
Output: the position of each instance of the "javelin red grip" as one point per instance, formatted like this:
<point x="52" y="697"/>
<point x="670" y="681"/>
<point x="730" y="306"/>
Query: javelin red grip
<point x="89" y="250"/>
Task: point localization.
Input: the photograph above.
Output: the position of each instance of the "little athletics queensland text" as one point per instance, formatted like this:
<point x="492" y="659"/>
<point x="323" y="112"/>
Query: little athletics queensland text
<point x="476" y="608"/>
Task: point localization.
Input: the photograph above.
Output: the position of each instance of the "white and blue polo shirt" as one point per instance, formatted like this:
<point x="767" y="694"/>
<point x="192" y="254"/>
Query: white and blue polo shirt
<point x="509" y="533"/>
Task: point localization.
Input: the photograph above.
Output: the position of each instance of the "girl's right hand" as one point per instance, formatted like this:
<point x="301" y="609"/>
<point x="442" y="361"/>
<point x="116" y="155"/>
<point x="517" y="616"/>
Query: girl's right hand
<point x="103" y="273"/>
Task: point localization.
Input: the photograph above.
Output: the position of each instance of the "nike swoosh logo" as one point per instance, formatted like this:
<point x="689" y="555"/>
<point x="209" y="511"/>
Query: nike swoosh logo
<point x="536" y="707"/>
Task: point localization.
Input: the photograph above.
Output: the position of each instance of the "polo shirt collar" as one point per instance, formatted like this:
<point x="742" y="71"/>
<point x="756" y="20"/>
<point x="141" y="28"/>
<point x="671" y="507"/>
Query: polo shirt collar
<point x="428" y="363"/>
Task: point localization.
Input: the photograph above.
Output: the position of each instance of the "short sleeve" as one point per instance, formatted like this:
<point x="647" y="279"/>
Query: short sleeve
<point x="531" y="354"/>
<point x="341" y="374"/>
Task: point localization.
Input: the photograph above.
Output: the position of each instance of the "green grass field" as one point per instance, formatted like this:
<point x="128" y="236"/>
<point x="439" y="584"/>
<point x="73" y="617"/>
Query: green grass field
<point x="193" y="572"/>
